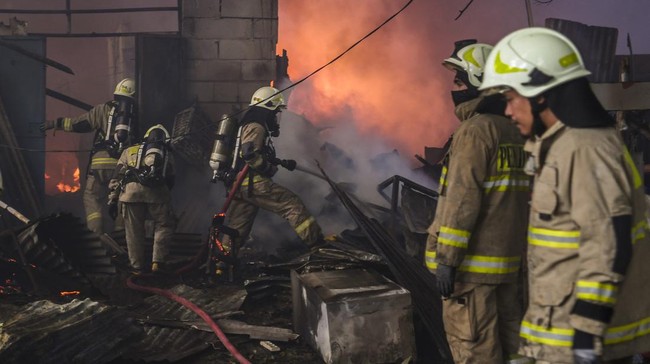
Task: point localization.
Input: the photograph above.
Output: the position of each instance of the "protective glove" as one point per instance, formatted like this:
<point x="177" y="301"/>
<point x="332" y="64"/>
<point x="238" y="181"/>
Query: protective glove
<point x="445" y="276"/>
<point x="583" y="348"/>
<point x="289" y="164"/>
<point x="112" y="209"/>
<point x="47" y="125"/>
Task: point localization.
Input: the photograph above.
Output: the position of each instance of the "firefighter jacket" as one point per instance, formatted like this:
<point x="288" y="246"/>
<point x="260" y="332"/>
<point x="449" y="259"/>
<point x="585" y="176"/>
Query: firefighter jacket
<point x="588" y="246"/>
<point x="257" y="152"/>
<point x="96" y="119"/>
<point x="481" y="216"/>
<point x="128" y="186"/>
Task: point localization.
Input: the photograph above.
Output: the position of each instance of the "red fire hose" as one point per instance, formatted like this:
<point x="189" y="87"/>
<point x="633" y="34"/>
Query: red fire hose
<point x="235" y="187"/>
<point x="185" y="302"/>
<point x="204" y="315"/>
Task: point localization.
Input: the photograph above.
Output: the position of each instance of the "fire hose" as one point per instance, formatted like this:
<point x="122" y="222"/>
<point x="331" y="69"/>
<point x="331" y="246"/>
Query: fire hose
<point x="185" y="302"/>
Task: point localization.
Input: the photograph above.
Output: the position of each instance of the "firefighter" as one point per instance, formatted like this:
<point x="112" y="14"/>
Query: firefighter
<point x="142" y="182"/>
<point x="257" y="126"/>
<point x="475" y="256"/>
<point x="587" y="238"/>
<point x="112" y="123"/>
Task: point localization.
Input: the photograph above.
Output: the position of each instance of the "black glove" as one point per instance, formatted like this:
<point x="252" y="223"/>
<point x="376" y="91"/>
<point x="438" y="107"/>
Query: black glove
<point x="289" y="164"/>
<point x="112" y="209"/>
<point x="445" y="276"/>
<point x="47" y="125"/>
<point x="583" y="348"/>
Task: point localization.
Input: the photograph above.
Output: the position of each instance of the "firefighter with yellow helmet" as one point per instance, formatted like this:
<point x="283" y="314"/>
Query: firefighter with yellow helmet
<point x="475" y="256"/>
<point x="588" y="239"/>
<point x="112" y="123"/>
<point x="142" y="183"/>
<point x="258" y="191"/>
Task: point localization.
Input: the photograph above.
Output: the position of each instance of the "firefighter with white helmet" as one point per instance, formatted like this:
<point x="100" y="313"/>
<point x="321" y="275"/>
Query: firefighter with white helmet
<point x="475" y="257"/>
<point x="142" y="183"/>
<point x="257" y="126"/>
<point x="113" y="123"/>
<point x="588" y="237"/>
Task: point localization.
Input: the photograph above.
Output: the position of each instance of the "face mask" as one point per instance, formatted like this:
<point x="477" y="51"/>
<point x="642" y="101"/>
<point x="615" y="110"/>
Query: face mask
<point x="463" y="96"/>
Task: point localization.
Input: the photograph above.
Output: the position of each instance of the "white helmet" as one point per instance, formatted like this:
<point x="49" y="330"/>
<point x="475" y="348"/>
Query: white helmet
<point x="470" y="59"/>
<point x="268" y="98"/>
<point x="126" y="87"/>
<point x="533" y="60"/>
<point x="159" y="135"/>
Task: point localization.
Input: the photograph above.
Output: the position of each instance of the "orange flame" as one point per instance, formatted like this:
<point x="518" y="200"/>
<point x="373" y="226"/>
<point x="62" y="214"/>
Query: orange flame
<point x="68" y="293"/>
<point x="392" y="84"/>
<point x="70" y="188"/>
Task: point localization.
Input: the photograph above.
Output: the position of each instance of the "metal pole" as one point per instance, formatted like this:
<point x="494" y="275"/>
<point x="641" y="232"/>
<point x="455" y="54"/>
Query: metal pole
<point x="68" y="15"/>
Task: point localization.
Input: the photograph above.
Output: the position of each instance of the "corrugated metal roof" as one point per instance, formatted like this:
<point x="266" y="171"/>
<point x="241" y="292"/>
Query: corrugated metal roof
<point x="597" y="45"/>
<point x="81" y="331"/>
<point x="172" y="344"/>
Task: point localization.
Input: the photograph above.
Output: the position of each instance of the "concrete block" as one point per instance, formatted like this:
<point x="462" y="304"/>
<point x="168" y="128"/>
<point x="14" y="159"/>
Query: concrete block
<point x="187" y="27"/>
<point x="240" y="49"/>
<point x="213" y="70"/>
<point x="241" y="8"/>
<point x="258" y="70"/>
<point x="214" y="110"/>
<point x="246" y="89"/>
<point x="223" y="28"/>
<point x="201" y="91"/>
<point x="270" y="9"/>
<point x="200" y="9"/>
<point x="226" y="92"/>
<point x="202" y="49"/>
<point x="265" y="28"/>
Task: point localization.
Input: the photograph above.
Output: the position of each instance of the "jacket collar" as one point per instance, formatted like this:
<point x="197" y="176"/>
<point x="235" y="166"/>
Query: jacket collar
<point x="467" y="109"/>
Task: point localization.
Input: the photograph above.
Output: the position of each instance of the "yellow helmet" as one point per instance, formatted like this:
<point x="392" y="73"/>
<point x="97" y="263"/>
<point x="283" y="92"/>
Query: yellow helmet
<point x="533" y="60"/>
<point x="126" y="87"/>
<point x="470" y="59"/>
<point x="268" y="98"/>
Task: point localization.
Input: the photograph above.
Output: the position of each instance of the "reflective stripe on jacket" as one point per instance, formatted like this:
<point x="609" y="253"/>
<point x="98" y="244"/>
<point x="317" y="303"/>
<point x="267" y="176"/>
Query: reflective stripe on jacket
<point x="586" y="180"/>
<point x="96" y="119"/>
<point x="481" y="216"/>
<point x="133" y="191"/>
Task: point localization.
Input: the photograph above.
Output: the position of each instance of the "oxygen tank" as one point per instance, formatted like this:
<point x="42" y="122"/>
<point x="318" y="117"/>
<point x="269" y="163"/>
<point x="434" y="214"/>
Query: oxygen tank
<point x="222" y="151"/>
<point x="124" y="116"/>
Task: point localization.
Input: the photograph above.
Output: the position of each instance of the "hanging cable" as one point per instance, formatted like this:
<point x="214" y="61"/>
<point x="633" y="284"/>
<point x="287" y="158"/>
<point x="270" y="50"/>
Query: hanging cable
<point x="202" y="130"/>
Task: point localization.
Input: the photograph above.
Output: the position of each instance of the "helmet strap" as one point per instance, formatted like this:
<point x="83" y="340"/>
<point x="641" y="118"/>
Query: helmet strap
<point x="536" y="108"/>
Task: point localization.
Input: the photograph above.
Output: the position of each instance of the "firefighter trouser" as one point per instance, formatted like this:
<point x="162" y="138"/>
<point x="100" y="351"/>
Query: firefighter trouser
<point x="134" y="214"/>
<point x="95" y="200"/>
<point x="482" y="322"/>
<point x="272" y="197"/>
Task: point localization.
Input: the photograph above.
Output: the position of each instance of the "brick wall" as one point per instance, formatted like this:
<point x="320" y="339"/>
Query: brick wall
<point x="230" y="51"/>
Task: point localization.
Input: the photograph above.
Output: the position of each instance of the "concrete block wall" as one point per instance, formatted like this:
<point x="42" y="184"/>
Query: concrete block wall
<point x="229" y="51"/>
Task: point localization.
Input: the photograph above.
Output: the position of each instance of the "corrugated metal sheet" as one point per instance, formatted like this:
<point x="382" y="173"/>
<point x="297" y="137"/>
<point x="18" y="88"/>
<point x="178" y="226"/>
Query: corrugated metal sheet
<point x="597" y="45"/>
<point x="75" y="332"/>
<point x="172" y="344"/>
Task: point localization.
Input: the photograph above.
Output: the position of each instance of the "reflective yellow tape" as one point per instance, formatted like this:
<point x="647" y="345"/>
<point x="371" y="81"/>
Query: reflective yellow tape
<point x="304" y="225"/>
<point x="502" y="67"/>
<point x="67" y="124"/>
<point x="256" y="178"/>
<point x="638" y="231"/>
<point x="480" y="263"/>
<point x="638" y="181"/>
<point x="93" y="216"/>
<point x="507" y="182"/>
<point x="623" y="333"/>
<point x="548" y="336"/>
<point x="453" y="237"/>
<point x="603" y="293"/>
<point x="559" y="239"/>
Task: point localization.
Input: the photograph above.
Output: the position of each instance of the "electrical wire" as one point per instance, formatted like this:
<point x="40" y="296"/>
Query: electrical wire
<point x="202" y="130"/>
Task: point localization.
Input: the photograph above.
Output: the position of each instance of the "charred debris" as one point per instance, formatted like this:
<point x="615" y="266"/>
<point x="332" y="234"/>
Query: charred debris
<point x="65" y="298"/>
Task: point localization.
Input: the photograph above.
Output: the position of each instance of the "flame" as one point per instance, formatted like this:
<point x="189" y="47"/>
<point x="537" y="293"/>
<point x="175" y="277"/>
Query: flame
<point x="392" y="84"/>
<point x="47" y="176"/>
<point x="68" y="293"/>
<point x="70" y="188"/>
